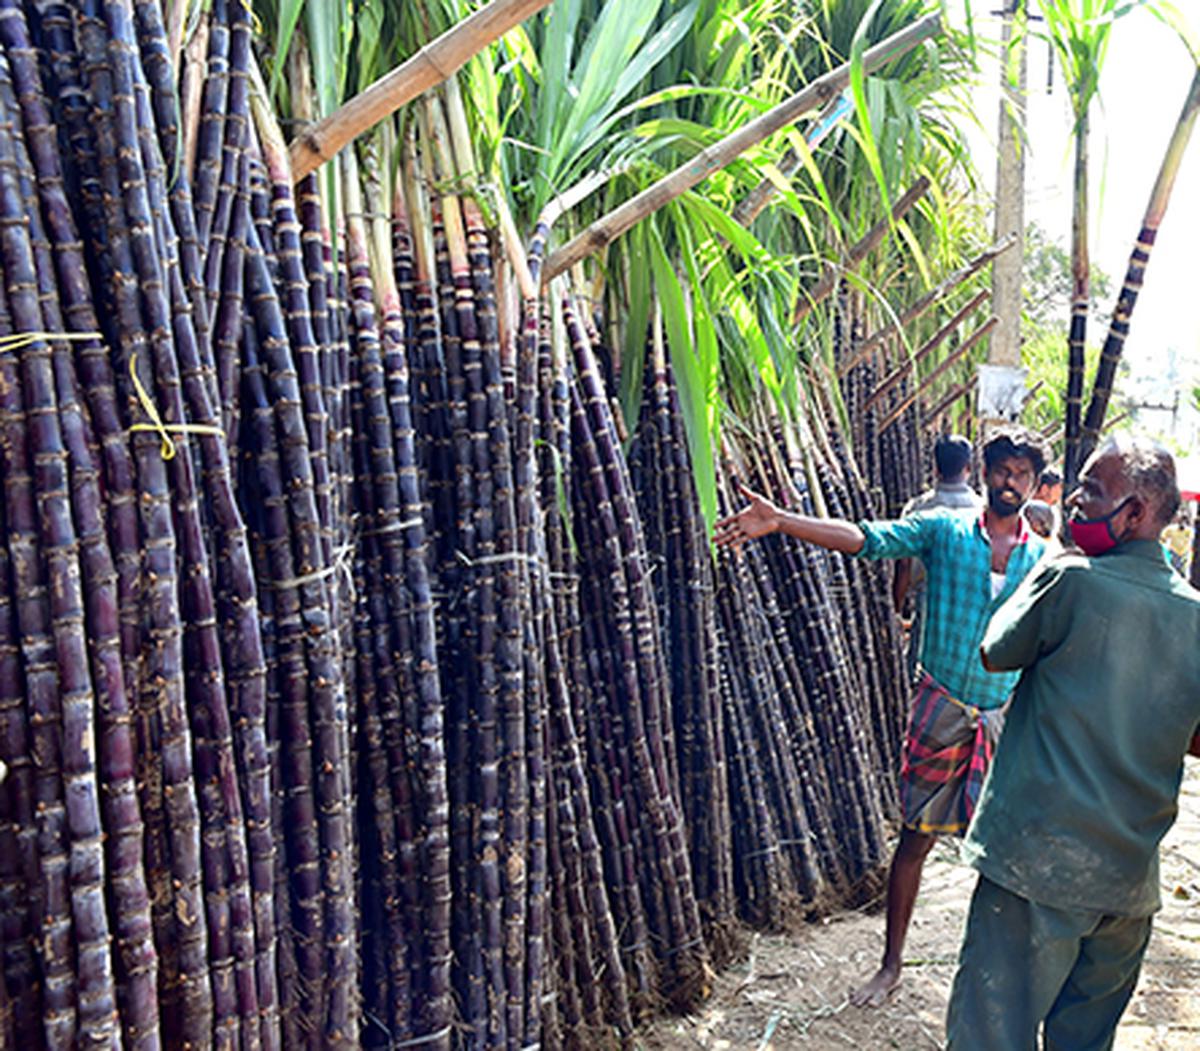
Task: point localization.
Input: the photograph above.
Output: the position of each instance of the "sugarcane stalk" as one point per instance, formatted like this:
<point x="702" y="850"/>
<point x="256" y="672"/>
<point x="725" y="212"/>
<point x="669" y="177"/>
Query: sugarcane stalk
<point x="1080" y="301"/>
<point x="864" y="348"/>
<point x="1114" y="342"/>
<point x="956" y="355"/>
<point x="99" y="576"/>
<point x="210" y="131"/>
<point x="909" y="367"/>
<point x="74" y="701"/>
<point x="172" y="819"/>
<point x="951" y="397"/>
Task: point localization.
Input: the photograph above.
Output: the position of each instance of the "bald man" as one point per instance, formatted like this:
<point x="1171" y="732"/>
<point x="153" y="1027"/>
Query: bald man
<point x="1086" y="778"/>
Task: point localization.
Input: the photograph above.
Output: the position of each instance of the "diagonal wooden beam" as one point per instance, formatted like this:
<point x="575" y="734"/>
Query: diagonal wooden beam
<point x="435" y="62"/>
<point x="858" y="252"/>
<point x="713" y="158"/>
<point x="918" y="308"/>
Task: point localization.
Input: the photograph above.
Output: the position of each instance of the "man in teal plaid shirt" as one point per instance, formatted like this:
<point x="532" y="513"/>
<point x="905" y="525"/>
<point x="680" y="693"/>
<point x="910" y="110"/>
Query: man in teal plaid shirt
<point x="974" y="561"/>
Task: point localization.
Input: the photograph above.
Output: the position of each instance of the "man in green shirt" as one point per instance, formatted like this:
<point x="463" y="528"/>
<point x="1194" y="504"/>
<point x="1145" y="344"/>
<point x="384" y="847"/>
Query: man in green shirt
<point x="1085" y="782"/>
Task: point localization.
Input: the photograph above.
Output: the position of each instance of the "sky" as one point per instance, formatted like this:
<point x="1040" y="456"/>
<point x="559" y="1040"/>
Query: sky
<point x="1143" y="84"/>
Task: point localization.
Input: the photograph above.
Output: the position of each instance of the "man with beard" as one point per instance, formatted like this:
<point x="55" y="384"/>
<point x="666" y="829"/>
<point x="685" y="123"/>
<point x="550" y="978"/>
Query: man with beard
<point x="973" y="562"/>
<point x="1086" y="784"/>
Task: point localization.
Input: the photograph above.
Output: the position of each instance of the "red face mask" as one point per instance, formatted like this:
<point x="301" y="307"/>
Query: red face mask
<point x="1094" y="536"/>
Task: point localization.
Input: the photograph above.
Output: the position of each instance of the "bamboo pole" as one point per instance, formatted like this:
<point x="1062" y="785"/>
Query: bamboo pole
<point x="928" y="381"/>
<point x="435" y="62"/>
<point x="713" y="158"/>
<point x="953" y="396"/>
<point x="924" y="303"/>
<point x="908" y="366"/>
<point x="1118" y="329"/>
<point x="859" y="251"/>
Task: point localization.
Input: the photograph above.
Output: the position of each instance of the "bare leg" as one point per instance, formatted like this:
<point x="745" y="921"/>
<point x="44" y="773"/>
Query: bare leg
<point x="904" y="880"/>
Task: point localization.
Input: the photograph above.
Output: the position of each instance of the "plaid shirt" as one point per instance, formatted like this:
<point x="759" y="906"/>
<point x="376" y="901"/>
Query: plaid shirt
<point x="957" y="555"/>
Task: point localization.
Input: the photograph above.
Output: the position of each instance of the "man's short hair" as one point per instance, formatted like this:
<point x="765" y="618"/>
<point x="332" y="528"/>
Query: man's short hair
<point x="951" y="455"/>
<point x="1149" y="469"/>
<point x="1016" y="441"/>
<point x="1050" y="477"/>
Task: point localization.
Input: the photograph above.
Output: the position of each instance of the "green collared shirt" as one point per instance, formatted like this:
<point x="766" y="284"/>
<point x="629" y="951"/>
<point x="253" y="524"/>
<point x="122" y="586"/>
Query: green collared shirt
<point x="1086" y="776"/>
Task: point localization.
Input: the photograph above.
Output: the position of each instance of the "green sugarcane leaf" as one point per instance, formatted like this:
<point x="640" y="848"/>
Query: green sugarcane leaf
<point x="729" y="228"/>
<point x="746" y="323"/>
<point x="862" y="105"/>
<point x="678" y="129"/>
<point x="289" y="16"/>
<point x="368" y="35"/>
<point x="638" y="298"/>
<point x="690" y="375"/>
<point x="561" y="20"/>
<point x="610" y="48"/>
<point x="1172" y="15"/>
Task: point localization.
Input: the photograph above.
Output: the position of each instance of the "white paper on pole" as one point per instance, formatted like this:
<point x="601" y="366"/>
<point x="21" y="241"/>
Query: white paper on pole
<point x="1002" y="391"/>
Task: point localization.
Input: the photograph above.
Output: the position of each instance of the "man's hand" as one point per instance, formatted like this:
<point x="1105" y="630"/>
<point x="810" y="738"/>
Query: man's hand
<point x="758" y="518"/>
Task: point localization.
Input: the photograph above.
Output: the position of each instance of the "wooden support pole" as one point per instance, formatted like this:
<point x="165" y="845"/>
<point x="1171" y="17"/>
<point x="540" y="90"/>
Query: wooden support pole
<point x="918" y="308"/>
<point x="436" y="61"/>
<point x="858" y="252"/>
<point x="928" y="381"/>
<point x="713" y="158"/>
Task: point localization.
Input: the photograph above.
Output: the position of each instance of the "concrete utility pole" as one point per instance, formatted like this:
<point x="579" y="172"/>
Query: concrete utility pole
<point x="1002" y="379"/>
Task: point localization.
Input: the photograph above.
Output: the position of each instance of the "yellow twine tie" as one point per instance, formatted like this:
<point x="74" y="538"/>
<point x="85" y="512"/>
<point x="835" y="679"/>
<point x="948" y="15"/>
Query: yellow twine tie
<point x="156" y="424"/>
<point x="17" y="340"/>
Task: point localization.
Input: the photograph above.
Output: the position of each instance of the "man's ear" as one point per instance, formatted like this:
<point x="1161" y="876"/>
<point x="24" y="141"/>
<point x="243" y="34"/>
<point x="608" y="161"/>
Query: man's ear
<point x="1137" y="512"/>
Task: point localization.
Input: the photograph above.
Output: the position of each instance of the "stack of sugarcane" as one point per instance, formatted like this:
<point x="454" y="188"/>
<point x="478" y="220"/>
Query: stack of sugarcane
<point x="335" y="695"/>
<point x="807" y="685"/>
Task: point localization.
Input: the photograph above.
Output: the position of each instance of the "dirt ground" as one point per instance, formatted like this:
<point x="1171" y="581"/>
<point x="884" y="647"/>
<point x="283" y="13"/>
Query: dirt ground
<point x="791" y="990"/>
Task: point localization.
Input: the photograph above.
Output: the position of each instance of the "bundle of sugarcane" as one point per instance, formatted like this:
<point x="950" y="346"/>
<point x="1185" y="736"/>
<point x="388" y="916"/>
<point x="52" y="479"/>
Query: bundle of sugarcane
<point x="162" y="665"/>
<point x="818" y="609"/>
<point x="810" y="686"/>
<point x="630" y="727"/>
<point x="684" y="591"/>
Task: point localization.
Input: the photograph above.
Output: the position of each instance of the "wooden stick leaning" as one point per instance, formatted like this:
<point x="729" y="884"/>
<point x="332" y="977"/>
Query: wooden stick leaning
<point x="713" y="158"/>
<point x="950" y="359"/>
<point x="859" y="251"/>
<point x="431" y="65"/>
<point x="925" y="302"/>
<point x="909" y="366"/>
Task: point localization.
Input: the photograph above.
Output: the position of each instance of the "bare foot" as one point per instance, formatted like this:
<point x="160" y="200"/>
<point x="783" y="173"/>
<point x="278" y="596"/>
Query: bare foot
<point x="876" y="992"/>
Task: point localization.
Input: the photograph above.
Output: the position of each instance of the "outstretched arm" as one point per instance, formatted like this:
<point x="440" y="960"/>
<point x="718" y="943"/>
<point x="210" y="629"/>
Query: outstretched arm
<point x="760" y="517"/>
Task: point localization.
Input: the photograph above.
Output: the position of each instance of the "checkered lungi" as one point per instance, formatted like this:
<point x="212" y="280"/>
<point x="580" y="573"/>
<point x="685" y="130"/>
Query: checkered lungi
<point x="947" y="751"/>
